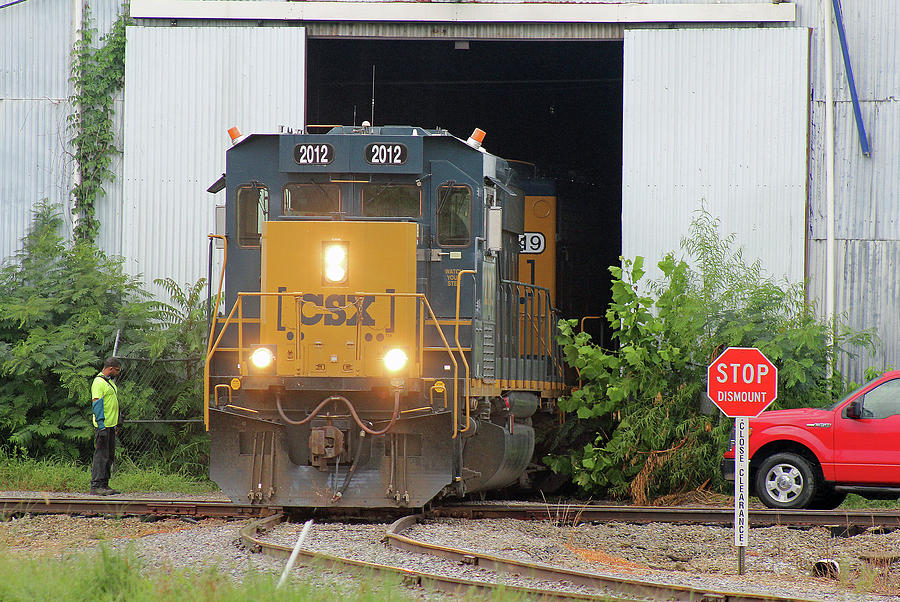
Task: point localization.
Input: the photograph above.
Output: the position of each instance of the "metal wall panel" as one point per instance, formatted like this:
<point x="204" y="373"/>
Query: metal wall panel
<point x="867" y="189"/>
<point x="177" y="112"/>
<point x="867" y="295"/>
<point x="468" y="31"/>
<point x="430" y="31"/>
<point x="36" y="40"/>
<point x="716" y="116"/>
<point x="33" y="165"/>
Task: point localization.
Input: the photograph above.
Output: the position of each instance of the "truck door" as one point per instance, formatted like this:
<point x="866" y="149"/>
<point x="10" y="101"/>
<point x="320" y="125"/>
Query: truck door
<point x="866" y="449"/>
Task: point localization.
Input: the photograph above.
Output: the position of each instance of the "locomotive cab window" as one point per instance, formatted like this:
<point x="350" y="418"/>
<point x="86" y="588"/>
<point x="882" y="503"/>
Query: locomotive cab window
<point x="252" y="210"/>
<point x="391" y="200"/>
<point x="311" y="199"/>
<point x="454" y="215"/>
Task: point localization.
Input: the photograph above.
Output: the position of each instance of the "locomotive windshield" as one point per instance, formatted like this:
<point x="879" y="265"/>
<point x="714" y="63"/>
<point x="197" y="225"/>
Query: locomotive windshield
<point x="391" y="200"/>
<point x="311" y="199"/>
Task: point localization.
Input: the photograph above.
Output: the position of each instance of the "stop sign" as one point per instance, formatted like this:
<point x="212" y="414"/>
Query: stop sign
<point x="742" y="382"/>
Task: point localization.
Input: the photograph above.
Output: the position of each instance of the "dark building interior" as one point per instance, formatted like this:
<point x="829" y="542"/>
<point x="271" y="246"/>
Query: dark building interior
<point x="556" y="104"/>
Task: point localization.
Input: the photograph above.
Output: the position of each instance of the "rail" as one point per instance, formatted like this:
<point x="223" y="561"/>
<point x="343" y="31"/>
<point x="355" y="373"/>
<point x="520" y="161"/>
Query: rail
<point x="608" y="587"/>
<point x="456" y="587"/>
<point x="592" y="586"/>
<point x="133" y="503"/>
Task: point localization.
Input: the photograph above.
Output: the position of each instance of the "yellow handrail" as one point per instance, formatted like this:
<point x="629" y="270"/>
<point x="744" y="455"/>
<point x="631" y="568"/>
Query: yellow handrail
<point x="459" y="347"/>
<point x="209" y="354"/>
<point x="589" y="318"/>
<point x="212" y="330"/>
<point x="424" y="300"/>
<point x="238" y="308"/>
<point x="438" y="387"/>
<point x="216" y="392"/>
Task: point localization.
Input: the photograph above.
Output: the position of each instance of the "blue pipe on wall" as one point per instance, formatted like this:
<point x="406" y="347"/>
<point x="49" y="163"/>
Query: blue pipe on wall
<point x="860" y="128"/>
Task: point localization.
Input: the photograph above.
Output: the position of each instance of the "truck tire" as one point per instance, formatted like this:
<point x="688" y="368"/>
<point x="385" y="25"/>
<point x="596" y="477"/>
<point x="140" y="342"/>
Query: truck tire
<point x="786" y="481"/>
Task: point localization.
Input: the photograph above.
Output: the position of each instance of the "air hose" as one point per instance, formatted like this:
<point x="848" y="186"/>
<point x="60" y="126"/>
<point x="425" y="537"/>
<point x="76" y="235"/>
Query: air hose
<point x="353" y="413"/>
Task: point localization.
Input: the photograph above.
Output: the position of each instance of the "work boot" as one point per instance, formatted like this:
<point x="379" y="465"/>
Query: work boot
<point x="110" y="491"/>
<point x="100" y="491"/>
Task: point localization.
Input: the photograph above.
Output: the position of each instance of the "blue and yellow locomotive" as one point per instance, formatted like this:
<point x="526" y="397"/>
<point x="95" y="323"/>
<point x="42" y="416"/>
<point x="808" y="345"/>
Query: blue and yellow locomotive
<point x="378" y="347"/>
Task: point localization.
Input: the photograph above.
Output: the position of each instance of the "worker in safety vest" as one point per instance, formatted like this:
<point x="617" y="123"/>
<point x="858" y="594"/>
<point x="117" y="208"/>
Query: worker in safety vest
<point x="105" y="406"/>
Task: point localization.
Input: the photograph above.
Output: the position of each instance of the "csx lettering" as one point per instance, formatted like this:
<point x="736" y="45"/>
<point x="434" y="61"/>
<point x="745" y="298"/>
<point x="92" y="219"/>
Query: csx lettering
<point x="337" y="308"/>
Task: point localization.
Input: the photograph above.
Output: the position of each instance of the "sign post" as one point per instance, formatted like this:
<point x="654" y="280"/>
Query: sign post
<point x="742" y="382"/>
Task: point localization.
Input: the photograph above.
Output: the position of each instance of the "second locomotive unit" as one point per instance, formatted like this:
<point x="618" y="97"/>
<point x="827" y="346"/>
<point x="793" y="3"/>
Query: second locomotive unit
<point x="377" y="347"/>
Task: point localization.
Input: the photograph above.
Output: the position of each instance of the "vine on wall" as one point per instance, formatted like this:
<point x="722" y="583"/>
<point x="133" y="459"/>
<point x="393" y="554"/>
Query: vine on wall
<point x="97" y="74"/>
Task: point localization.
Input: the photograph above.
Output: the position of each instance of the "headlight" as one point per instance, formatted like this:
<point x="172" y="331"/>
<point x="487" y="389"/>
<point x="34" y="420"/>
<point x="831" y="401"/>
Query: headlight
<point x="262" y="357"/>
<point x="395" y="360"/>
<point x="334" y="256"/>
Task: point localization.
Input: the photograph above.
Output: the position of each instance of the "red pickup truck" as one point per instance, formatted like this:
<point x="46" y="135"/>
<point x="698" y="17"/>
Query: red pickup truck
<point x="813" y="457"/>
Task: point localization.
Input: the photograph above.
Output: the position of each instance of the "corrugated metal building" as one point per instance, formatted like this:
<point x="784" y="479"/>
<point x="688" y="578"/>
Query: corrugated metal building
<point x="36" y="41"/>
<point x="723" y="102"/>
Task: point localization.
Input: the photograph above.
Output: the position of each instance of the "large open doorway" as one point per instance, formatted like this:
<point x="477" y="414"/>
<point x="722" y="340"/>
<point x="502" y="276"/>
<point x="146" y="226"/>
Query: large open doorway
<point x="557" y="104"/>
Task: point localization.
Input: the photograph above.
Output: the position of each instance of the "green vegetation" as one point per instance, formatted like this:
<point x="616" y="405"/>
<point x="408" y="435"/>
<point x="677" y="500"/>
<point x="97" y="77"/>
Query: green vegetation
<point x="108" y="575"/>
<point x="641" y="423"/>
<point x="23" y="474"/>
<point x="98" y="73"/>
<point x="856" y="502"/>
<point x="62" y="305"/>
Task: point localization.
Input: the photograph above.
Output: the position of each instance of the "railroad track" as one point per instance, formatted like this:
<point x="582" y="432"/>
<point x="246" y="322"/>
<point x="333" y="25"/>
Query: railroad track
<point x="620" y="588"/>
<point x="601" y="586"/>
<point x="563" y="513"/>
<point x="659" y="514"/>
<point x="130" y="507"/>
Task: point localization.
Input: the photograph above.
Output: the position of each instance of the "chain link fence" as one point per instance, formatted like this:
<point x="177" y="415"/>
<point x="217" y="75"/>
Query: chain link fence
<point x="161" y="414"/>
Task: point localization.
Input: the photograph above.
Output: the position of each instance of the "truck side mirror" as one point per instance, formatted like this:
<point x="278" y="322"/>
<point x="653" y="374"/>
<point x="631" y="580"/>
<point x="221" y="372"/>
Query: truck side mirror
<point x="854" y="410"/>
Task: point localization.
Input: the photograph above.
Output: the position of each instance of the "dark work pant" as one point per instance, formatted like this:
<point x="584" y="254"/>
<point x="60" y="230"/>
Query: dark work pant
<point x="104" y="454"/>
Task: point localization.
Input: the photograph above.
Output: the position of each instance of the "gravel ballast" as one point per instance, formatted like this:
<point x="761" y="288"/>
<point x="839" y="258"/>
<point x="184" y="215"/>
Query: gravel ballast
<point x="779" y="559"/>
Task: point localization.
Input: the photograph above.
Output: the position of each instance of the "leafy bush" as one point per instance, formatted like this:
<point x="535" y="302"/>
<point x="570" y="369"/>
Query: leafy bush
<point x="644" y="425"/>
<point x="61" y="305"/>
<point x="166" y="383"/>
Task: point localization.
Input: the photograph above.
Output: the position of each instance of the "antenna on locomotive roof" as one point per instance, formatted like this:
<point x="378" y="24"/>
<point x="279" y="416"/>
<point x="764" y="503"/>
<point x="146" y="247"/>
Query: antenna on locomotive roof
<point x="373" y="94"/>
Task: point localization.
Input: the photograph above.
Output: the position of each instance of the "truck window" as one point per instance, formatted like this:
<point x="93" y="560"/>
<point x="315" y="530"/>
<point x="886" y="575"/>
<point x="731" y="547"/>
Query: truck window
<point x="883" y="401"/>
<point x="252" y="210"/>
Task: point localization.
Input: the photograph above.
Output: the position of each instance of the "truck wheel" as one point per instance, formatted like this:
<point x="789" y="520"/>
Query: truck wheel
<point x="785" y="481"/>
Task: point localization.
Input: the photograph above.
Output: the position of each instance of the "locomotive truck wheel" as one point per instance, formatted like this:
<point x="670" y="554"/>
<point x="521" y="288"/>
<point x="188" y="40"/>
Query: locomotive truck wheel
<point x="785" y="481"/>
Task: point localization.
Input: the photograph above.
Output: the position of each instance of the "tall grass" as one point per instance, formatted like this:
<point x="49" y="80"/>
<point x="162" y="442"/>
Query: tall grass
<point x="107" y="575"/>
<point x="27" y="474"/>
<point x="111" y="575"/>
